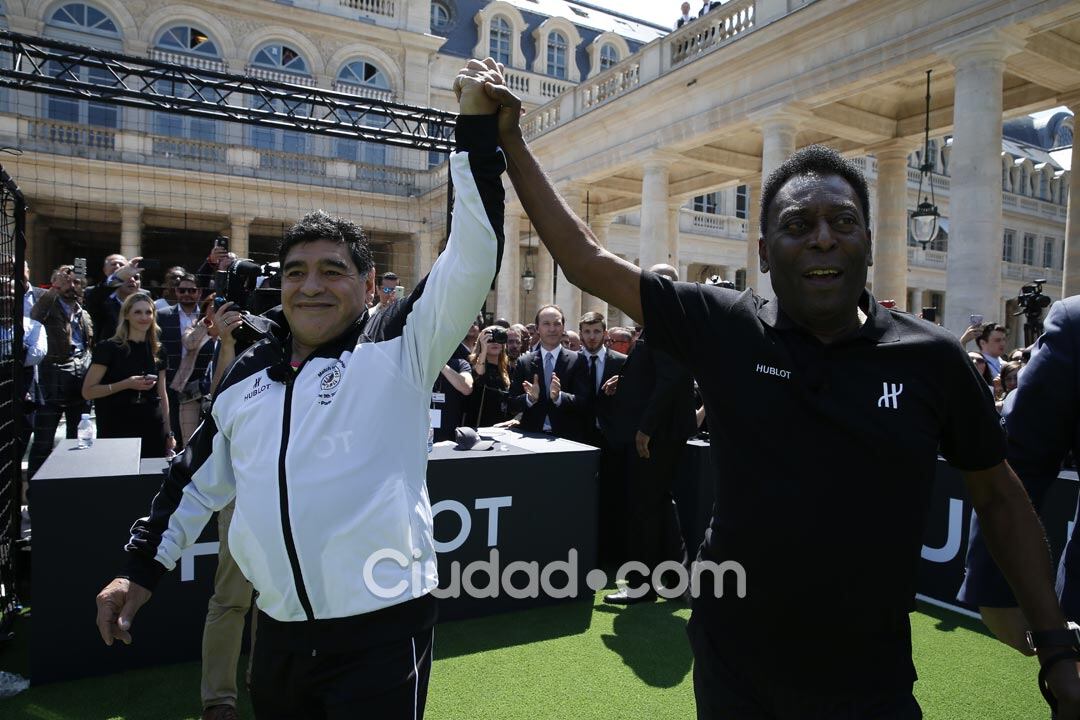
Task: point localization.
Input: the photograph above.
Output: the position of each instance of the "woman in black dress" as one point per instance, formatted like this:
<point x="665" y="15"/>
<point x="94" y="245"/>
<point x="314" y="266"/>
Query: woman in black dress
<point x="489" y="402"/>
<point x="126" y="381"/>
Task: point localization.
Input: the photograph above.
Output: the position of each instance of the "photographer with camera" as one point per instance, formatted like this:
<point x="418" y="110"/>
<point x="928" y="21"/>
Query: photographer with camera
<point x="126" y="381"/>
<point x="70" y="334"/>
<point x="323" y="487"/>
<point x="488" y="404"/>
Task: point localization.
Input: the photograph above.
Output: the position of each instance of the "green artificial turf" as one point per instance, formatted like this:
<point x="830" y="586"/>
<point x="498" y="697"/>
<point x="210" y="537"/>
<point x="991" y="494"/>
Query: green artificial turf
<point x="574" y="661"/>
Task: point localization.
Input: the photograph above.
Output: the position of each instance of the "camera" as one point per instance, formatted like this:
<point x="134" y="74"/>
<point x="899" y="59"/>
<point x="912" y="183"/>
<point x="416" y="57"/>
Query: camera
<point x="498" y="335"/>
<point x="1032" y="300"/>
<point x="240" y="285"/>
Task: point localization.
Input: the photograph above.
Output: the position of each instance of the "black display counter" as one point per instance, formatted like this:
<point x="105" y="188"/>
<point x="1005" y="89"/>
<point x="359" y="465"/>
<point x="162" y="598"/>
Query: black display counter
<point x="532" y="498"/>
<point x="945" y="541"/>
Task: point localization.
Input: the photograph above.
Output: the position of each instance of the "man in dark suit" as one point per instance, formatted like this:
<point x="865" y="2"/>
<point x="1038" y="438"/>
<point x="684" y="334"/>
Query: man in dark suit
<point x="103" y="301"/>
<point x="1042" y="419"/>
<point x="604" y="366"/>
<point x="550" y="385"/>
<point x="174" y="321"/>
<point x="652" y="419"/>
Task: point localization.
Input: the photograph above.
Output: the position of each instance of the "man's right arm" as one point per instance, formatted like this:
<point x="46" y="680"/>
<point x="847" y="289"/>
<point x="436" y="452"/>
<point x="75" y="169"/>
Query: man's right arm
<point x="570" y="241"/>
<point x="199" y="482"/>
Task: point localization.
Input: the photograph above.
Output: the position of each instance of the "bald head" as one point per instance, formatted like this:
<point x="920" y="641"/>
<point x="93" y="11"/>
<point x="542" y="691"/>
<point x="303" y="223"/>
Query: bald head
<point x="666" y="270"/>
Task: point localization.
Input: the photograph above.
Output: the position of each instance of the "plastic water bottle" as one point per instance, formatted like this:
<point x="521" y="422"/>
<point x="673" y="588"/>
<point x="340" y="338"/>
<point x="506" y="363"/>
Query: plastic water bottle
<point x="86" y="431"/>
<point x="430" y="438"/>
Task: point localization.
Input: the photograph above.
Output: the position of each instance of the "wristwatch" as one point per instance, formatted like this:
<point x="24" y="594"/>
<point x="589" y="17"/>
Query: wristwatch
<point x="1067" y="637"/>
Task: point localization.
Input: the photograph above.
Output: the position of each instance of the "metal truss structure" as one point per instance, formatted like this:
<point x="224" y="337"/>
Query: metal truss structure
<point x="57" y="68"/>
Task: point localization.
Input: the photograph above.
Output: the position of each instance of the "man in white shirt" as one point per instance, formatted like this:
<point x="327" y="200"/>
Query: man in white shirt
<point x="685" y="17"/>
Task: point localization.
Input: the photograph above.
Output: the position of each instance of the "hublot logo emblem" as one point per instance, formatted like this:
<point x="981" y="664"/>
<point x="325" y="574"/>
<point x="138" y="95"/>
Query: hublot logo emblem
<point x="769" y="370"/>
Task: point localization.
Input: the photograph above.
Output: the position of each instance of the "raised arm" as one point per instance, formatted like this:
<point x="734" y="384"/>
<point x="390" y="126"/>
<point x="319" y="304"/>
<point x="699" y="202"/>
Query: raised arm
<point x="570" y="241"/>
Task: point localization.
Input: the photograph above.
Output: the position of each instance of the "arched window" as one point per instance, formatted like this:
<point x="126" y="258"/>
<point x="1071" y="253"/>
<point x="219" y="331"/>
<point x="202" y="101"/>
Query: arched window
<point x="556" y="55"/>
<point x="186" y="39"/>
<point x="85" y="24"/>
<point x="609" y="57"/>
<point x="1044" y="185"/>
<point x="84" y="18"/>
<point x="440" y="16"/>
<point x="278" y="57"/>
<point x="281" y="58"/>
<point x="500" y="45"/>
<point x="362" y="73"/>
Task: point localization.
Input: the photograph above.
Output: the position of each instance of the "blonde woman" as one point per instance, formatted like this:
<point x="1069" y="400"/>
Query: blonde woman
<point x="126" y="380"/>
<point x="488" y="403"/>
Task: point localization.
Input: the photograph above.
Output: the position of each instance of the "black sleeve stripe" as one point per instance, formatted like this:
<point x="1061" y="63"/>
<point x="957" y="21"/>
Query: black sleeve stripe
<point x="146" y="532"/>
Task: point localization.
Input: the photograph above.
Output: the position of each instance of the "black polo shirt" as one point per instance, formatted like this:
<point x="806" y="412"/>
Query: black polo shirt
<point x="825" y="457"/>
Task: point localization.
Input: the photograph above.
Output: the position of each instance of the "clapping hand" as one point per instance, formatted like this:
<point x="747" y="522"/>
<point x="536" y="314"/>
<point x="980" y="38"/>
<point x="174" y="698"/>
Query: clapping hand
<point x="556" y="387"/>
<point x="609" y="387"/>
<point x="532" y="389"/>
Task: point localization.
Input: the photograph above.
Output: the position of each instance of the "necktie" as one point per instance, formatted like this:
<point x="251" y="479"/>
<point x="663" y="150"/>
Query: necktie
<point x="549" y="366"/>
<point x="592" y="373"/>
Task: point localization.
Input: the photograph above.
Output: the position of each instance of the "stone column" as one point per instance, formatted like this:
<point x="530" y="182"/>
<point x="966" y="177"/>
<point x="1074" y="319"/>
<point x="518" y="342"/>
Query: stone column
<point x="778" y="143"/>
<point x="655" y="215"/>
<point x="1070" y="284"/>
<point x="601" y="226"/>
<point x="674" y="210"/>
<point x="973" y="276"/>
<point x="890" y="268"/>
<point x="130" y="231"/>
<point x="508" y="285"/>
<point x="424" y="250"/>
<point x="544" y="276"/>
<point x="568" y="296"/>
<point x="753" y="232"/>
<point x="239" y="234"/>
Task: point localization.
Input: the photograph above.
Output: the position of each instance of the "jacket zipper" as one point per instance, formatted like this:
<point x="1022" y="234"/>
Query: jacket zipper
<point x="283" y="496"/>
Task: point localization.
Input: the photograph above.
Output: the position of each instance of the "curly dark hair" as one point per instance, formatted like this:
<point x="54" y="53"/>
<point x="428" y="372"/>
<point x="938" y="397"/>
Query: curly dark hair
<point x="320" y="225"/>
<point x="813" y="160"/>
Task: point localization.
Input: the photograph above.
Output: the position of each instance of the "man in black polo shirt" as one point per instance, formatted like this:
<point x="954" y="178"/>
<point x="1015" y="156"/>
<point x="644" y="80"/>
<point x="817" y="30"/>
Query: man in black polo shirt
<point x="836" y="410"/>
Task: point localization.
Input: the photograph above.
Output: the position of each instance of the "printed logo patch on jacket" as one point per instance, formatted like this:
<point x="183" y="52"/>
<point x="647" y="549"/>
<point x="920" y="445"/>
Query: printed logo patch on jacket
<point x="329" y="379"/>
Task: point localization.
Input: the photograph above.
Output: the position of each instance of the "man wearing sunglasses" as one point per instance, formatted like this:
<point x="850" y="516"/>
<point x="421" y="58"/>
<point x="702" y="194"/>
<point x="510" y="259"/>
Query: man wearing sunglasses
<point x="174" y="322"/>
<point x="385" y="293"/>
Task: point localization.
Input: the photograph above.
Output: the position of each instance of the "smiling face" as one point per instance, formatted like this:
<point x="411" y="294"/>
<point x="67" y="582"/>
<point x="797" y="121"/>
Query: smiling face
<point x="817" y="250"/>
<point x="140" y="315"/>
<point x="549" y="325"/>
<point x="322" y="292"/>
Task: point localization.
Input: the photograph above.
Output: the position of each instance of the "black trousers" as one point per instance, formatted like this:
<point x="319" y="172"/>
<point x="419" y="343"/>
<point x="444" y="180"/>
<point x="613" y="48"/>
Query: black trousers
<point x="724" y="688"/>
<point x="381" y="682"/>
<point x="652" y="529"/>
<point x="61" y="386"/>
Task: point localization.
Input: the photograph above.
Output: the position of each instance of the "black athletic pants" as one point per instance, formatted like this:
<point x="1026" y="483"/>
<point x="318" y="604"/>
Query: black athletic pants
<point x="724" y="690"/>
<point x="381" y="682"/>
